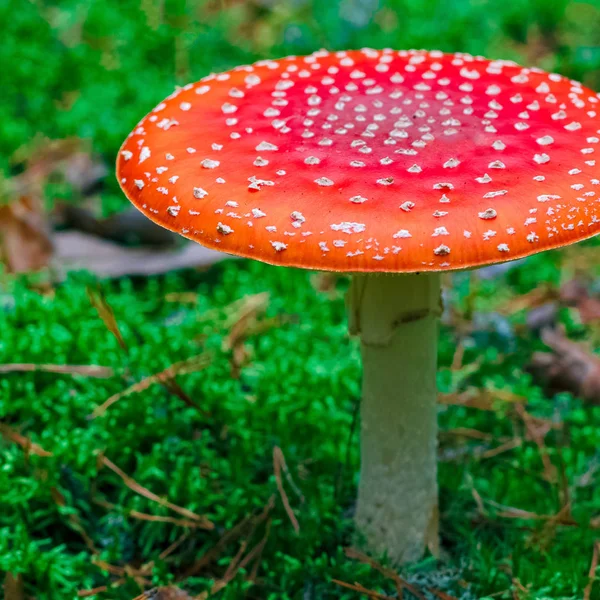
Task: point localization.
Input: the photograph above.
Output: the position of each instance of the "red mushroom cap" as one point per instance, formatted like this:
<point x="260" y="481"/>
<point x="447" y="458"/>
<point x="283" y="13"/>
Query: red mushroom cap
<point x="372" y="161"/>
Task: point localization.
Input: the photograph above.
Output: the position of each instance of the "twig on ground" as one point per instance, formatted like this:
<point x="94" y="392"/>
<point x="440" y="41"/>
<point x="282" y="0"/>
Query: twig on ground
<point x="84" y="370"/>
<point x="30" y="447"/>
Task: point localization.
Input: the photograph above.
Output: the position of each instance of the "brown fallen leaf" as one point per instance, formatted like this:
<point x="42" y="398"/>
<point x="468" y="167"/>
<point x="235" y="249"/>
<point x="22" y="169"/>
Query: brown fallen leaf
<point x="13" y="436"/>
<point x="570" y="367"/>
<point x="25" y="232"/>
<point x="25" y="243"/>
<point x="202" y="522"/>
<point x="84" y="370"/>
<point x="575" y="293"/>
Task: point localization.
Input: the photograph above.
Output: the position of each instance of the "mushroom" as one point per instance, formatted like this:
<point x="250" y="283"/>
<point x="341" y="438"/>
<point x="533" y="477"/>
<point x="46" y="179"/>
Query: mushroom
<point x="393" y="166"/>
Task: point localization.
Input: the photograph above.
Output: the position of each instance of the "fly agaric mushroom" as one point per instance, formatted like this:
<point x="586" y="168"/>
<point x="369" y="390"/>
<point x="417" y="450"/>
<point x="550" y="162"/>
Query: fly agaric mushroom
<point x="392" y="166"/>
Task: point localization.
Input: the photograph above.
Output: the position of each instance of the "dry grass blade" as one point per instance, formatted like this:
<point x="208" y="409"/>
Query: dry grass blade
<point x="73" y="519"/>
<point x="479" y="399"/>
<point x="184" y="367"/>
<point x="174" y="388"/>
<point x="505" y="447"/>
<point x="247" y="525"/>
<point x="399" y="582"/>
<point x="24" y="234"/>
<point x="157" y="519"/>
<point x="562" y="517"/>
<point x="146" y="517"/>
<point x="92" y="592"/>
<point x="164" y="593"/>
<point x="362" y="590"/>
<point x="168" y="551"/>
<point x="587" y="592"/>
<point x="127" y="570"/>
<point x="12" y="436"/>
<point x="13" y="587"/>
<point x="537" y="429"/>
<point x="241" y="323"/>
<point x="85" y="370"/>
<point x="105" y="312"/>
<point x="202" y="522"/>
<point x="278" y="465"/>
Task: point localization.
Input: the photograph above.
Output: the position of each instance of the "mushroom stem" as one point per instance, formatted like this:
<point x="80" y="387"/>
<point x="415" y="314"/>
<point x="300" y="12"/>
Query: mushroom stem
<point x="396" y="317"/>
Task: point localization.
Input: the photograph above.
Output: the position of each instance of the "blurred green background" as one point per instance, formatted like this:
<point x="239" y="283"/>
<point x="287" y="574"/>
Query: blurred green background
<point x="92" y="68"/>
<point x="71" y="527"/>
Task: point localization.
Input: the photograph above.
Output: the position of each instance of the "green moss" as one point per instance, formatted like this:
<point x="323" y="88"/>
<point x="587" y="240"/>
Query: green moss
<point x="298" y="392"/>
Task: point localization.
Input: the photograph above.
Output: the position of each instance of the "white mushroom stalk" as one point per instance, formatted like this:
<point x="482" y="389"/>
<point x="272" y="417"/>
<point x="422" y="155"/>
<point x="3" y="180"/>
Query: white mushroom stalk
<point x="396" y="317"/>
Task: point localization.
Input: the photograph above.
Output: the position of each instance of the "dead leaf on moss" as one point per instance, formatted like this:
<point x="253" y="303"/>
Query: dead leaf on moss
<point x="25" y="243"/>
<point x="575" y="293"/>
<point x="570" y="367"/>
<point x="25" y="232"/>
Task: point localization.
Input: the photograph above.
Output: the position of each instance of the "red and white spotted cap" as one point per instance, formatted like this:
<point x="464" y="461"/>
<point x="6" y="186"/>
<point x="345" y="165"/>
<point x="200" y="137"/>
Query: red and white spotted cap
<point x="372" y="160"/>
